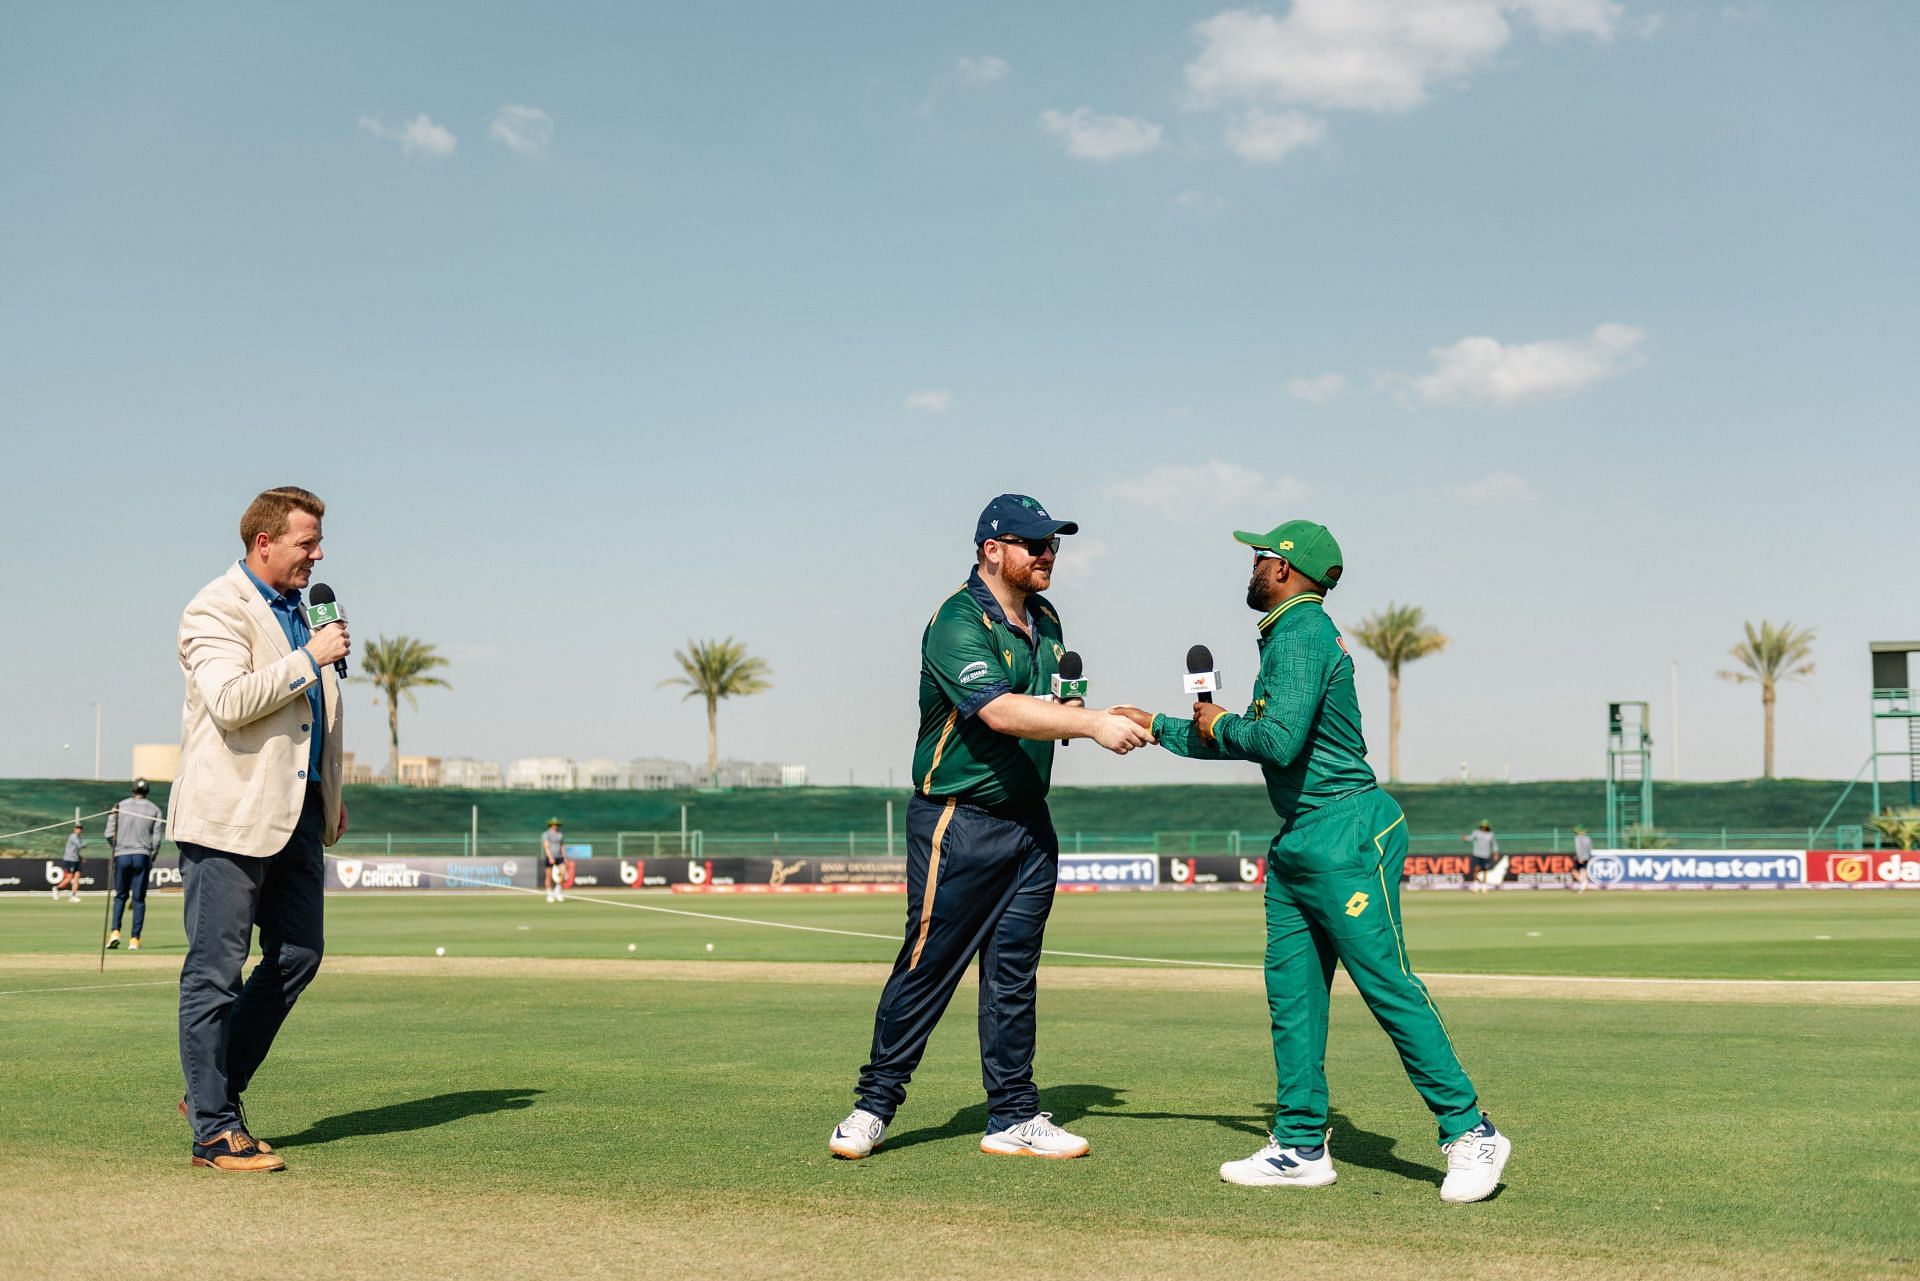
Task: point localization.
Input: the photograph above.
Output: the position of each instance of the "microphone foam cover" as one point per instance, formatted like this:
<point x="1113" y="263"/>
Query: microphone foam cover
<point x="320" y="594"/>
<point x="1070" y="665"/>
<point x="1199" y="659"/>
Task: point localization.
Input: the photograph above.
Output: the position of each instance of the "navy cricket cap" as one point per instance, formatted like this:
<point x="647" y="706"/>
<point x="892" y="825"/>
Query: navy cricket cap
<point x="1018" y="516"/>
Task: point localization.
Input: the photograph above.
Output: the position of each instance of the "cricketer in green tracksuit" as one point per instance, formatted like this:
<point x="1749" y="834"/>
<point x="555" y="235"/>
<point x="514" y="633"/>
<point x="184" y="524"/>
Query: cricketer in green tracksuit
<point x="1333" y="872"/>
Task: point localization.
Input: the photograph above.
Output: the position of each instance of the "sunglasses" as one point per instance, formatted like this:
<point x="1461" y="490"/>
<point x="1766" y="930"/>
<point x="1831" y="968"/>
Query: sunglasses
<point x="1261" y="553"/>
<point x="1034" y="546"/>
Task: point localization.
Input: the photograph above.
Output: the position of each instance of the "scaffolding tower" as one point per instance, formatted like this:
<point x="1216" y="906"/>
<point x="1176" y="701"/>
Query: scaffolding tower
<point x="1629" y="773"/>
<point x="1895" y="710"/>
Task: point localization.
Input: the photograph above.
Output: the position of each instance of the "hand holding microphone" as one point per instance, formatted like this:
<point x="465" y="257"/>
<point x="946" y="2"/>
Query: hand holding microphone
<point x="1202" y="681"/>
<point x="329" y="642"/>
<point x="1070" y="684"/>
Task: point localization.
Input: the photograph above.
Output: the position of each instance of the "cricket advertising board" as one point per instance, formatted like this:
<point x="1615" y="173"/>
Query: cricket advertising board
<point x="1864" y="867"/>
<point x="18" y="874"/>
<point x="360" y="875"/>
<point x="1653" y="869"/>
<point x="1436" y="871"/>
<point x="1109" y="871"/>
<point x="1215" y="870"/>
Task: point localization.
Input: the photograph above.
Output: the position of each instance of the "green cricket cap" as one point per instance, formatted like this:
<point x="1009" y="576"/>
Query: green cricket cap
<point x="1308" y="547"/>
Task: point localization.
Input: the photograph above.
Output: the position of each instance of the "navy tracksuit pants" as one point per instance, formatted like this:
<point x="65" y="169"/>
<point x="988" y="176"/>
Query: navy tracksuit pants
<point x="130" y="880"/>
<point x="979" y="882"/>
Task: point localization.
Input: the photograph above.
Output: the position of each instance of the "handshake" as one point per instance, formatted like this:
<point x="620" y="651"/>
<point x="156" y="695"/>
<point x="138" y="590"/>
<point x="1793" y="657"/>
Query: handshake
<point x="1204" y="715"/>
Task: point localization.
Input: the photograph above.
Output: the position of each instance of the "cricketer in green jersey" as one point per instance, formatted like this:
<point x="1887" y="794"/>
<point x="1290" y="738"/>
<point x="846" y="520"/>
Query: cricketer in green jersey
<point x="1333" y="875"/>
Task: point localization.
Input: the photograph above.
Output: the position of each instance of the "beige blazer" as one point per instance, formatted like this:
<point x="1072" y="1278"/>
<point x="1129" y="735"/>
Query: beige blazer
<point x="244" y="733"/>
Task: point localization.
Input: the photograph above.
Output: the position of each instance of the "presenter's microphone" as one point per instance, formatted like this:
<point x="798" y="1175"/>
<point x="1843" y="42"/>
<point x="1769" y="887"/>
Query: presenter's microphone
<point x="323" y="608"/>
<point x="1068" y="681"/>
<point x="1202" y="680"/>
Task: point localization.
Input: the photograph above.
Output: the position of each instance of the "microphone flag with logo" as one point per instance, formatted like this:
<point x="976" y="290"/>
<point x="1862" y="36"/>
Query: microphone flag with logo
<point x="1201" y="680"/>
<point x="1068" y="681"/>
<point x="323" y="608"/>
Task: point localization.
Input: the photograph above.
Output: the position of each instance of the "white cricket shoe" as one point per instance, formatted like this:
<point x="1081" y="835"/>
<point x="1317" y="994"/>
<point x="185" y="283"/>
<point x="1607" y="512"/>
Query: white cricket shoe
<point x="1474" y="1163"/>
<point x="1038" y="1136"/>
<point x="858" y="1135"/>
<point x="1277" y="1165"/>
<point x="559" y="897"/>
<point x="74" y="897"/>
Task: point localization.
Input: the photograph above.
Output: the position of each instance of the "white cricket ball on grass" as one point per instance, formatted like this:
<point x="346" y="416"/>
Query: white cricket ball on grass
<point x="439" y="951"/>
<point x="709" y="947"/>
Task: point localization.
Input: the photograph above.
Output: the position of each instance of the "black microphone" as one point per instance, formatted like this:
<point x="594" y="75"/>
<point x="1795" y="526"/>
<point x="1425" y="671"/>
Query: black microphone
<point x="1068" y="681"/>
<point x="1201" y="678"/>
<point x="323" y="608"/>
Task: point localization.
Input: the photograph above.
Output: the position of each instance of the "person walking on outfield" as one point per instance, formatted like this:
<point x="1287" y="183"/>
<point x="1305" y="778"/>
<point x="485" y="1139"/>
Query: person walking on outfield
<point x="1582" y="855"/>
<point x="982" y="856"/>
<point x="133" y="834"/>
<point x="1333" y="875"/>
<point x="256" y="799"/>
<point x="70" y="866"/>
<point x="1486" y="848"/>
<point x="553" y="852"/>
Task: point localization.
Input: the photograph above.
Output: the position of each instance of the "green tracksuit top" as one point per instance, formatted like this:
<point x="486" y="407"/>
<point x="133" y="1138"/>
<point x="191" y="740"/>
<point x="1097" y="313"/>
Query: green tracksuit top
<point x="1303" y="725"/>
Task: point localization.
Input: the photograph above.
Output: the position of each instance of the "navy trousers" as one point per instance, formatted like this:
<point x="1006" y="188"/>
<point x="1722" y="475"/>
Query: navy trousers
<point x="130" y="880"/>
<point x="226" y="1027"/>
<point x="979" y="883"/>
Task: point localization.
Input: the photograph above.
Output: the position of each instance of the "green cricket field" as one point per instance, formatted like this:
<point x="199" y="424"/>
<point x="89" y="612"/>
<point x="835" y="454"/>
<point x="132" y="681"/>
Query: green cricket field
<point x="1718" y="1084"/>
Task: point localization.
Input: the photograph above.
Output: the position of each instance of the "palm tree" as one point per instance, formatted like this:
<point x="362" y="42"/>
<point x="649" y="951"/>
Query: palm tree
<point x="717" y="669"/>
<point x="397" y="667"/>
<point x="1397" y="634"/>
<point x="1771" y="655"/>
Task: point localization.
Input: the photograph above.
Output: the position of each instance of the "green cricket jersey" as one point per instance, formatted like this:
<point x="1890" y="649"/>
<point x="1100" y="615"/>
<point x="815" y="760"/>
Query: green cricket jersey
<point x="969" y="656"/>
<point x="1303" y="726"/>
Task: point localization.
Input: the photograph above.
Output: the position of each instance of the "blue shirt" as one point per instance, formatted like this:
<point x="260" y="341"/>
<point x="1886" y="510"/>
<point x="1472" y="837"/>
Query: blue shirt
<point x="293" y="621"/>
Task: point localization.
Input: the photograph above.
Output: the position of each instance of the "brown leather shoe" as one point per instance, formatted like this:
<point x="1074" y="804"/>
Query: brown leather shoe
<point x="235" y="1150"/>
<point x="262" y="1144"/>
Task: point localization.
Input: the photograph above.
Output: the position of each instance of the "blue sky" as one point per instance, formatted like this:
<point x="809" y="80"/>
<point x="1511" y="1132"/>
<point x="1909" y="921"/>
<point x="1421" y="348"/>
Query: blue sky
<point x="1587" y="326"/>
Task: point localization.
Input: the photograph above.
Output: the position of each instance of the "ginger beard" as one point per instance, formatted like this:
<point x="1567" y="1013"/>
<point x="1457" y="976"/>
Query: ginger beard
<point x="1031" y="574"/>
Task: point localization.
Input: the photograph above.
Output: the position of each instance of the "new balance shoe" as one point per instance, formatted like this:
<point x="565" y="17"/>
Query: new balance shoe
<point x="1036" y="1137"/>
<point x="133" y="944"/>
<point x="858" y="1135"/>
<point x="1277" y="1165"/>
<point x="235" y="1150"/>
<point x="1474" y="1163"/>
<point x="113" y="941"/>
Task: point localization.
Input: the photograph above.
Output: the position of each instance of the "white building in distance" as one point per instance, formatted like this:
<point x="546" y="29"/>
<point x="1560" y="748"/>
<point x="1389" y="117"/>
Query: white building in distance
<point x="466" y="771"/>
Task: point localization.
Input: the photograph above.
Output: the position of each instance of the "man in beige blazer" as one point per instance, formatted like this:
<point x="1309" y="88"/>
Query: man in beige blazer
<point x="256" y="799"/>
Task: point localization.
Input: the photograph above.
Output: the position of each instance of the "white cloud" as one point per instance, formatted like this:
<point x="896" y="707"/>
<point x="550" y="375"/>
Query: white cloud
<point x="1486" y="371"/>
<point x="1074" y="565"/>
<point x="980" y="71"/>
<point x="1368" y="55"/>
<point x="1095" y="137"/>
<point x="1316" y="391"/>
<point x="933" y="401"/>
<point x="1651" y="25"/>
<point x="1203" y="202"/>
<point x="1494" y="487"/>
<point x="1183" y="491"/>
<point x="418" y="134"/>
<point x="1265" y="137"/>
<point x="527" y="130"/>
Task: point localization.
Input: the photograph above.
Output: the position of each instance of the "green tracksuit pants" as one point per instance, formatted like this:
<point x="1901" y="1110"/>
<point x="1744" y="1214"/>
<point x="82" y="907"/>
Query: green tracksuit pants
<point x="1333" y="892"/>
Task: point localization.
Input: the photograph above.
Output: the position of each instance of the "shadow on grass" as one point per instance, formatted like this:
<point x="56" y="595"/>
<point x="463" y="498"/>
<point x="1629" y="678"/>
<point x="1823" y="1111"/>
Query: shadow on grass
<point x="414" y="1114"/>
<point x="1351" y="1144"/>
<point x="1067" y="1103"/>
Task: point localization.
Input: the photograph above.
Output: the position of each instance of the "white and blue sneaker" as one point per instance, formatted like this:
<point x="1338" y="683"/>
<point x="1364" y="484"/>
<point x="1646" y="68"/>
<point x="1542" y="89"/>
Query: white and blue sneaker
<point x="1474" y="1163"/>
<point x="1277" y="1165"/>
<point x="1037" y="1136"/>
<point x="858" y="1135"/>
